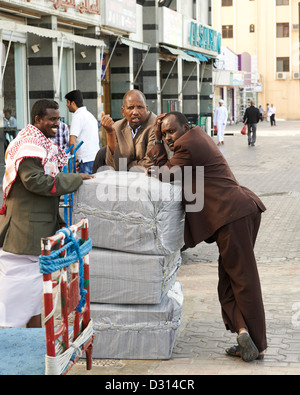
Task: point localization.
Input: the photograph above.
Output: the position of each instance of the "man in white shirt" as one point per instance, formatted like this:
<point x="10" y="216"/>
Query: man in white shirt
<point x="272" y="112"/>
<point x="84" y="127"/>
<point x="220" y="120"/>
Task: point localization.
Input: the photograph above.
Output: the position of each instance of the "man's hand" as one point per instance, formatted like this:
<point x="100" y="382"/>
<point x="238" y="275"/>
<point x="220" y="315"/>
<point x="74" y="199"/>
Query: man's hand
<point x="85" y="176"/>
<point x="109" y="126"/>
<point x="107" y="123"/>
<point x="157" y="126"/>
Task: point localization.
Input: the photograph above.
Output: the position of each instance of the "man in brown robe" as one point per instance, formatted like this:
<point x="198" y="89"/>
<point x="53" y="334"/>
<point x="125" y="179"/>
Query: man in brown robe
<point x="230" y="217"/>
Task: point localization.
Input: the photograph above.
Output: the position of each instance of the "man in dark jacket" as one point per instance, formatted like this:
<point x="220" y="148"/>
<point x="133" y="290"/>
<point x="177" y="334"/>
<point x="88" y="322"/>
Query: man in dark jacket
<point x="251" y="118"/>
<point x="230" y="217"/>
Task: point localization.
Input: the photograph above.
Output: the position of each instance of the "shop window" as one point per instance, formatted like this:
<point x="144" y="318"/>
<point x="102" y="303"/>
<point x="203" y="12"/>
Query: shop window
<point x="282" y="30"/>
<point x="282" y="2"/>
<point x="227" y="31"/>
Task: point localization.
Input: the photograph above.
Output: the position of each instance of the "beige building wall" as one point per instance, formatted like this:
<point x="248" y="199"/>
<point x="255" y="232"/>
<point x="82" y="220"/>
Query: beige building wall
<point x="264" y="15"/>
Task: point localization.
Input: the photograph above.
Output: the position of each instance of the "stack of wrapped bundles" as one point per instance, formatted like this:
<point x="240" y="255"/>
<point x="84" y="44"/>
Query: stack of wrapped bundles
<point x="136" y="224"/>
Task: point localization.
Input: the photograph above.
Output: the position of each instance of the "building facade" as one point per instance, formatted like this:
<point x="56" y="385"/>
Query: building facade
<point x="228" y="83"/>
<point x="166" y="48"/>
<point x="266" y="34"/>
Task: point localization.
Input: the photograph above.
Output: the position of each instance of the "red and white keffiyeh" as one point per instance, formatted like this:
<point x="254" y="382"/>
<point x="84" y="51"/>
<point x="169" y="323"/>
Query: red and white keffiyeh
<point x="31" y="143"/>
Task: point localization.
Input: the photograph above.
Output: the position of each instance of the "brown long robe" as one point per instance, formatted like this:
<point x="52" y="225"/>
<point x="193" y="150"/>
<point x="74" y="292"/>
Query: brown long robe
<point x="230" y="216"/>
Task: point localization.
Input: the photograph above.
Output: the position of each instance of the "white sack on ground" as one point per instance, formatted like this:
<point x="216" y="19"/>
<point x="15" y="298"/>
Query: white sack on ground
<point x="120" y="277"/>
<point x="137" y="331"/>
<point x="131" y="212"/>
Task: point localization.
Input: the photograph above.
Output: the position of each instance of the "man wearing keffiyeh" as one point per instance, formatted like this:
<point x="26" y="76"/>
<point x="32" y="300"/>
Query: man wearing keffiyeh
<point x="32" y="185"/>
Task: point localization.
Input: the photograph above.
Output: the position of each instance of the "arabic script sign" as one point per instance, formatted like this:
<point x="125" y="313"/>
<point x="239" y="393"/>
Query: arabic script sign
<point x="88" y="6"/>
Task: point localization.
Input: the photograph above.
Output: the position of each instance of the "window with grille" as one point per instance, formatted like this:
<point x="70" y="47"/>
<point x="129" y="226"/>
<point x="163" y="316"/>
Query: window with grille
<point x="283" y="30"/>
<point x="227" y="31"/>
<point x="226" y="3"/>
<point x="283" y="64"/>
<point x="282" y="2"/>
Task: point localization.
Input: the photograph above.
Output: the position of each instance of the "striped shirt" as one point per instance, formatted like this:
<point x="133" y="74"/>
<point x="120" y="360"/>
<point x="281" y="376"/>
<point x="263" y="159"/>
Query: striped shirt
<point x="62" y="136"/>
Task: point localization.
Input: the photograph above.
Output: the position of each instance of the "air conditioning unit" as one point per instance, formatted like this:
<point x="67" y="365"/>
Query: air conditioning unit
<point x="296" y="75"/>
<point x="281" y="76"/>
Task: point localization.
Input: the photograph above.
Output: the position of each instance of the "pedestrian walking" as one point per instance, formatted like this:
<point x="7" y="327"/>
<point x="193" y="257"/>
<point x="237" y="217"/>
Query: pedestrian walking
<point x="272" y="115"/>
<point x="220" y="121"/>
<point x="251" y="119"/>
<point x="261" y="113"/>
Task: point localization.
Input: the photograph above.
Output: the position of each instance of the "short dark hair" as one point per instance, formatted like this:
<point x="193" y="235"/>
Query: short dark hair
<point x="40" y="108"/>
<point x="181" y="118"/>
<point x="75" y="96"/>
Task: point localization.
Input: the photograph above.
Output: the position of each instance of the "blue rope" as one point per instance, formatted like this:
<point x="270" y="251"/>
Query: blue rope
<point x="76" y="249"/>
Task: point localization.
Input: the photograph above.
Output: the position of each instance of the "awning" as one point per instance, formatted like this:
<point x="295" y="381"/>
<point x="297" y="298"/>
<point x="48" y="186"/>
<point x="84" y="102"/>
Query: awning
<point x="198" y="55"/>
<point x="135" y="44"/>
<point x="181" y="53"/>
<point x="18" y="27"/>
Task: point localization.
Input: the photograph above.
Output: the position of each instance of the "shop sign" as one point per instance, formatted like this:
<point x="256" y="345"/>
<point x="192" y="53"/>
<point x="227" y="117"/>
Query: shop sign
<point x="236" y="79"/>
<point x="170" y="27"/>
<point x="83" y="6"/>
<point x="204" y="37"/>
<point x="119" y="14"/>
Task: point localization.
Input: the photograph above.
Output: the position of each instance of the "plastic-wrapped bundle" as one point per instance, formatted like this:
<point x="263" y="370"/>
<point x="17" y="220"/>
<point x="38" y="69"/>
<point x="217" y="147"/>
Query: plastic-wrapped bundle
<point x="121" y="277"/>
<point x="137" y="331"/>
<point x="131" y="212"/>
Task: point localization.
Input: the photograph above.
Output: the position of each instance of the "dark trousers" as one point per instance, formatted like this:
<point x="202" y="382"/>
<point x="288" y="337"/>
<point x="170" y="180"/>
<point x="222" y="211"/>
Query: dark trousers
<point x="239" y="284"/>
<point x="272" y="118"/>
<point x="251" y="133"/>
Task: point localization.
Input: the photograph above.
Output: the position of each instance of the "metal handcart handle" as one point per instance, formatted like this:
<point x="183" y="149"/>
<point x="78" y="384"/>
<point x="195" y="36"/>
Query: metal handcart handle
<point x="71" y="168"/>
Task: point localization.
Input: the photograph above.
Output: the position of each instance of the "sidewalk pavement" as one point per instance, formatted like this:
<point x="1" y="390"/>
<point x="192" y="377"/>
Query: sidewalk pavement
<point x="271" y="169"/>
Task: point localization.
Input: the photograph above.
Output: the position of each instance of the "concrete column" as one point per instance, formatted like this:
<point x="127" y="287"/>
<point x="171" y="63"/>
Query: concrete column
<point x="88" y="74"/>
<point x="151" y="69"/>
<point x="42" y="62"/>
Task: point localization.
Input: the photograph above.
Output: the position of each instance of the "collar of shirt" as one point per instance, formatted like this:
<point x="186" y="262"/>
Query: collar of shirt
<point x="133" y="132"/>
<point x="80" y="110"/>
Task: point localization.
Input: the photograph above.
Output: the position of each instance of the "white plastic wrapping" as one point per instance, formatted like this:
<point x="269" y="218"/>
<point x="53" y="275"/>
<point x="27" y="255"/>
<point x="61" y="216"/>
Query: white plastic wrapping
<point x="125" y="278"/>
<point x="131" y="212"/>
<point x="137" y="331"/>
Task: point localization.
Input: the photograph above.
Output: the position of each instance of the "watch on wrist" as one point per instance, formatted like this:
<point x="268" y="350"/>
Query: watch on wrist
<point x="158" y="142"/>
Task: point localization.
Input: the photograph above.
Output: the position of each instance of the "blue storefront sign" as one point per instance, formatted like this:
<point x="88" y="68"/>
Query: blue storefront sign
<point x="204" y="37"/>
